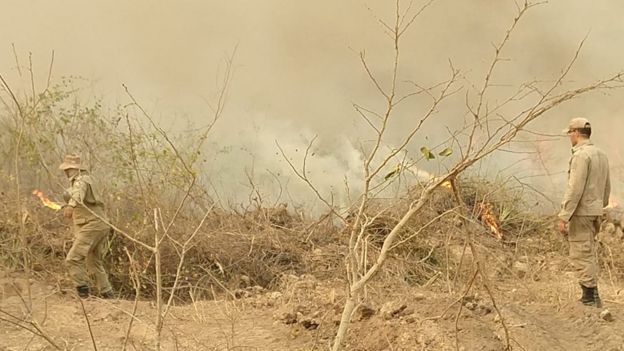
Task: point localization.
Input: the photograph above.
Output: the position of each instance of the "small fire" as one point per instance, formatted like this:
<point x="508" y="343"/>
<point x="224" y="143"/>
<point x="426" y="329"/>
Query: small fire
<point x="46" y="202"/>
<point x="486" y="214"/>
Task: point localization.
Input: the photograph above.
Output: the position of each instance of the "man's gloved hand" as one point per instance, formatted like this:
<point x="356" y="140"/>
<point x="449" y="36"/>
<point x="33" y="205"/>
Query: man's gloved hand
<point x="68" y="212"/>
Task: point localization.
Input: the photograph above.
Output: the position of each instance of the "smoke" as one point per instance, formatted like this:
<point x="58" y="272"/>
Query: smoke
<point x="245" y="163"/>
<point x="297" y="74"/>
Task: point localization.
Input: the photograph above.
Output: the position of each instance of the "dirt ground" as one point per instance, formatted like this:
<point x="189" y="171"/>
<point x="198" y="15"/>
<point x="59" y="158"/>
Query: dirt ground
<point x="200" y="326"/>
<point x="540" y="314"/>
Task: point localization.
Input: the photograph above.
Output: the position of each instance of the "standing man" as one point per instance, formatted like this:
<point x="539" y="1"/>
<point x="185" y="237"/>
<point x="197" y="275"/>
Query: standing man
<point x="85" y="208"/>
<point x="586" y="196"/>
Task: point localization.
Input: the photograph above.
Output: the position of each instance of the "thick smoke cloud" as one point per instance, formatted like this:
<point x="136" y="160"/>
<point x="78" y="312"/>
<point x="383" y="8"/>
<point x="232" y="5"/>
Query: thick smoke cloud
<point x="297" y="70"/>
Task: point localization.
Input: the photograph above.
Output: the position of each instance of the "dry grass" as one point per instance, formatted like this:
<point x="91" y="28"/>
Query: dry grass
<point x="257" y="247"/>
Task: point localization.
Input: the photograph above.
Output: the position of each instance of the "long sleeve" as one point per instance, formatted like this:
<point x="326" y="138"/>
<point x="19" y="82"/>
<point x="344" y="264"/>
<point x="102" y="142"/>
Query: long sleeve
<point x="607" y="193"/>
<point x="579" y="167"/>
<point x="77" y="192"/>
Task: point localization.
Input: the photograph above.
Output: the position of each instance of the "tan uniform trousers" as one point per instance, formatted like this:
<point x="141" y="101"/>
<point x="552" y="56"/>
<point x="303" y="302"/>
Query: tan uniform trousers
<point x="582" y="231"/>
<point x="87" y="252"/>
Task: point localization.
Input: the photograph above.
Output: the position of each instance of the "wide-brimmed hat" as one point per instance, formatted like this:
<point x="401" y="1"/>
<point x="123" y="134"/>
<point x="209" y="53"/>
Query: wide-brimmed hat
<point x="71" y="162"/>
<point x="577" y="123"/>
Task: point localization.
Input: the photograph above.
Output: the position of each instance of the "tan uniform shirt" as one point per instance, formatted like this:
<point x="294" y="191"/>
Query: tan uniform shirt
<point x="83" y="193"/>
<point x="91" y="233"/>
<point x="589" y="185"/>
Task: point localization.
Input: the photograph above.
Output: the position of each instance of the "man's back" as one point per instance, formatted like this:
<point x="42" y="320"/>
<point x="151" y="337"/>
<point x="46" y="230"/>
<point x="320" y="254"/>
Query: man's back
<point x="586" y="196"/>
<point x="588" y="184"/>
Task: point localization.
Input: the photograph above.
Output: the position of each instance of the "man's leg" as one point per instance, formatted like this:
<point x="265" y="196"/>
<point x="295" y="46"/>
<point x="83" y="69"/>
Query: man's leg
<point x="97" y="254"/>
<point x="583" y="254"/>
<point x="76" y="261"/>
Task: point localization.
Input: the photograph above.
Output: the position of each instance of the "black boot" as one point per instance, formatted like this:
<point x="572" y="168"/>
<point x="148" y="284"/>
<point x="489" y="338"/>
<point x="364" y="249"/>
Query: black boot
<point x="110" y="294"/>
<point x="591" y="297"/>
<point x="83" y="291"/>
<point x="597" y="300"/>
<point x="588" y="296"/>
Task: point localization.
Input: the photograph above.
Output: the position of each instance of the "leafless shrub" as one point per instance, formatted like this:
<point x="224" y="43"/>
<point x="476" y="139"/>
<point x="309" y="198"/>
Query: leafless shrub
<point x="490" y="126"/>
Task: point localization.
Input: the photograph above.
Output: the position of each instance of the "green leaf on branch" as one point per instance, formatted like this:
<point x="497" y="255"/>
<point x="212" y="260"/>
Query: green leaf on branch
<point x="427" y="153"/>
<point x="446" y="152"/>
<point x="394" y="172"/>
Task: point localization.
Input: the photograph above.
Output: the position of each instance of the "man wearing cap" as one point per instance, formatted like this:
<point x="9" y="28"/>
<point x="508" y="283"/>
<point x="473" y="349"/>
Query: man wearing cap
<point x="85" y="208"/>
<point x="586" y="196"/>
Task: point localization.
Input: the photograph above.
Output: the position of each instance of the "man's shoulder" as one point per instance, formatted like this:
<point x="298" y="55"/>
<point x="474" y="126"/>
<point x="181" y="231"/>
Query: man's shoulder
<point x="589" y="150"/>
<point x="582" y="152"/>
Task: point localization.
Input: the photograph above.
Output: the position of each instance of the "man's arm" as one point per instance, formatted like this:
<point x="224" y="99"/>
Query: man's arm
<point x="579" y="167"/>
<point x="607" y="194"/>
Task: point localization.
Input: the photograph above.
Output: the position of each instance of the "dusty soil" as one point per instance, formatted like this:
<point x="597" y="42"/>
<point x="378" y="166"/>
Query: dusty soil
<point x="534" y="307"/>
<point x="540" y="314"/>
<point x="215" y="325"/>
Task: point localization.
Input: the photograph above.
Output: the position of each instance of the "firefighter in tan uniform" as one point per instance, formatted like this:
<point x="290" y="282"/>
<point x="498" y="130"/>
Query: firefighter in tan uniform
<point x="85" y="208"/>
<point x="583" y="204"/>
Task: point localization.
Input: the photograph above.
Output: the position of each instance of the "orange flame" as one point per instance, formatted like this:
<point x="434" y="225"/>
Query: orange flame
<point x="46" y="202"/>
<point x="486" y="214"/>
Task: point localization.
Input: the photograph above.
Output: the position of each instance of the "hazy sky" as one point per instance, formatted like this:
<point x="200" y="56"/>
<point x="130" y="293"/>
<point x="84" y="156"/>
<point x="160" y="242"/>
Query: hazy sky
<point x="296" y="59"/>
<point x="297" y="68"/>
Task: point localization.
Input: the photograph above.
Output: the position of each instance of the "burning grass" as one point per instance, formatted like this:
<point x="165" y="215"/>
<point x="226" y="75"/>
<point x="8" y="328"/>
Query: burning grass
<point x="145" y="169"/>
<point x="45" y="201"/>
<point x="257" y="247"/>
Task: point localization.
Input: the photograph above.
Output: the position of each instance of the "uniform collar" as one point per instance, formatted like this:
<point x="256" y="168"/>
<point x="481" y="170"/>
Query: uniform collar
<point x="581" y="144"/>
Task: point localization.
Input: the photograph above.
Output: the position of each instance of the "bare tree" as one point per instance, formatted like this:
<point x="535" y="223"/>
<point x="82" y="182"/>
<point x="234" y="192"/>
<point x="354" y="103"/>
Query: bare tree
<point x="161" y="222"/>
<point x="21" y="111"/>
<point x="487" y="130"/>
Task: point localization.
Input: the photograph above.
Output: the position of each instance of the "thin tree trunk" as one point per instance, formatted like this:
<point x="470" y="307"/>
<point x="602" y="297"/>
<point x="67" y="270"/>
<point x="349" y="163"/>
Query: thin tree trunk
<point x="159" y="319"/>
<point x="345" y="321"/>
